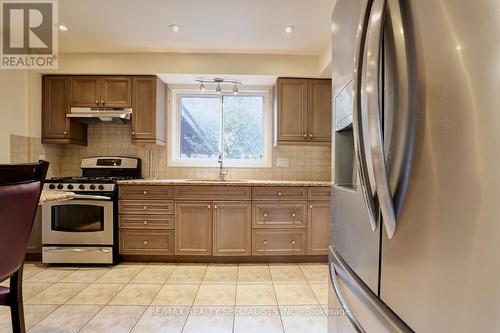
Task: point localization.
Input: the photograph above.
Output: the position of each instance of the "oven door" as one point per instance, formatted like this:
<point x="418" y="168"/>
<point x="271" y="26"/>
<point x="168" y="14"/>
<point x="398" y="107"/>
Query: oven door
<point x="85" y="220"/>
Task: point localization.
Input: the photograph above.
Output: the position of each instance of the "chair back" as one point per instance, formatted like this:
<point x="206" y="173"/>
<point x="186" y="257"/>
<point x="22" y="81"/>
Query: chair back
<point x="20" y="189"/>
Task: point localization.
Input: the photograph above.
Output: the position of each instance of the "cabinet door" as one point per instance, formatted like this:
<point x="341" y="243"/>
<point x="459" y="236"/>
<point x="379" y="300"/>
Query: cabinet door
<point x="193" y="228"/>
<point x="319" y="228"/>
<point x="320" y="111"/>
<point x="144" y="109"/>
<point x="55" y="107"/>
<point x="85" y="91"/>
<point x="232" y="228"/>
<point x="116" y="91"/>
<point x="292" y="109"/>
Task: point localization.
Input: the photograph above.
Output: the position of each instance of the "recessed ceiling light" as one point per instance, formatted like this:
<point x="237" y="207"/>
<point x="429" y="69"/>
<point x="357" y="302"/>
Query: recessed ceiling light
<point x="174" y="27"/>
<point x="289" y="29"/>
<point x="63" y="27"/>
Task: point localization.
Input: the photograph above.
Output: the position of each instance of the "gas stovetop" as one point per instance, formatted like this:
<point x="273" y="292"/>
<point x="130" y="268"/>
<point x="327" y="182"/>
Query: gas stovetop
<point x="87" y="180"/>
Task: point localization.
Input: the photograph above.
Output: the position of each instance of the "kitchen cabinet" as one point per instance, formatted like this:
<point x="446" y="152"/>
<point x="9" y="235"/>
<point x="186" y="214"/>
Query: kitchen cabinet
<point x="318" y="232"/>
<point x="278" y="242"/>
<point x="232" y="228"/>
<point x="101" y="91"/>
<point x="149" y="109"/>
<point x="193" y="228"/>
<point x="146" y="242"/>
<point x="56" y="127"/>
<point x="304" y="108"/>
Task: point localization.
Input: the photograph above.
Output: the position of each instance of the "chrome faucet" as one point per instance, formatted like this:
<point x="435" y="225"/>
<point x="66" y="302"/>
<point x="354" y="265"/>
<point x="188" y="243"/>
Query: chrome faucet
<point x="222" y="171"/>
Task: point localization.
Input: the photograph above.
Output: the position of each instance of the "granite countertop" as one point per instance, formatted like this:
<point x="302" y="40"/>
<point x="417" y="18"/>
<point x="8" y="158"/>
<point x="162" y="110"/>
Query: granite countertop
<point x="48" y="197"/>
<point x="229" y="182"/>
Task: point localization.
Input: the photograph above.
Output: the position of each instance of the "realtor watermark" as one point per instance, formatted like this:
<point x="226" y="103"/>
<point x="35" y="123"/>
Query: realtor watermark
<point x="29" y="38"/>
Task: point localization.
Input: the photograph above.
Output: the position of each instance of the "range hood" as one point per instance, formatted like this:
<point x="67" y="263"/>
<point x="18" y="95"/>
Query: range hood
<point x="100" y="114"/>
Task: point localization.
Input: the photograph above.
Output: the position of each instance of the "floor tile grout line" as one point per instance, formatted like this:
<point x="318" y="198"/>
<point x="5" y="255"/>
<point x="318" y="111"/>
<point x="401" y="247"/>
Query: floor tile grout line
<point x="192" y="303"/>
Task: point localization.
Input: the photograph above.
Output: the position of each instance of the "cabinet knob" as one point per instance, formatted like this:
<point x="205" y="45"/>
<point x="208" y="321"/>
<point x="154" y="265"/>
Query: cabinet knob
<point x="215" y="206"/>
<point x="310" y="136"/>
<point x="145" y="242"/>
<point x="96" y="102"/>
<point x="145" y="192"/>
<point x="209" y="206"/>
<point x="145" y="222"/>
<point x="280" y="194"/>
<point x="65" y="133"/>
<point x="293" y="242"/>
<point x="133" y="133"/>
<point x="293" y="214"/>
<point x="265" y="242"/>
<point x="102" y="102"/>
<point x="310" y="206"/>
<point x="265" y="214"/>
<point x="305" y="135"/>
<point x="145" y="207"/>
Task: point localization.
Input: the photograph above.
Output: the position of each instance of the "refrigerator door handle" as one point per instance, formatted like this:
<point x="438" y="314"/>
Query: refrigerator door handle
<point x="360" y="147"/>
<point x="374" y="46"/>
<point x="343" y="301"/>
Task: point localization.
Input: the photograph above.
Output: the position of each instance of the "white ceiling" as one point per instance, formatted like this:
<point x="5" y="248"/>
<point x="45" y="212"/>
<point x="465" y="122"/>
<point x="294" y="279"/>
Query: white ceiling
<point x="208" y="26"/>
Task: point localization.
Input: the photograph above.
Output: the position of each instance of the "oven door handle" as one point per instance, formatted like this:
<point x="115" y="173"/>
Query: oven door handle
<point x="65" y="249"/>
<point x="91" y="197"/>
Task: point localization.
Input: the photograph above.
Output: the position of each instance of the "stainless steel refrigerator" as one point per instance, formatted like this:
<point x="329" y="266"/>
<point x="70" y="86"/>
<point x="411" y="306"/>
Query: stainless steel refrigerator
<point x="416" y="194"/>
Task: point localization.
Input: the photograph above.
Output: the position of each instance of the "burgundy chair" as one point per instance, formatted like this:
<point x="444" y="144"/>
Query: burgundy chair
<point x="20" y="188"/>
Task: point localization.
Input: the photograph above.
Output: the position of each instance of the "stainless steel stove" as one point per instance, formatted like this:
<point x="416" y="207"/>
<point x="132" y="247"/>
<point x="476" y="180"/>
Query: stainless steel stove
<point x="85" y="229"/>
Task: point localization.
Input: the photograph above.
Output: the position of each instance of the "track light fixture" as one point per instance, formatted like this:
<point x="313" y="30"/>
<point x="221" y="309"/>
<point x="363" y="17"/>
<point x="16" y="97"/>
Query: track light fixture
<point x="218" y="88"/>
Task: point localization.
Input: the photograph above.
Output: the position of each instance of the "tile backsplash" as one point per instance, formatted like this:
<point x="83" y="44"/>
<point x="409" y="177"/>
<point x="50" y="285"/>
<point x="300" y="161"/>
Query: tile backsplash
<point x="305" y="162"/>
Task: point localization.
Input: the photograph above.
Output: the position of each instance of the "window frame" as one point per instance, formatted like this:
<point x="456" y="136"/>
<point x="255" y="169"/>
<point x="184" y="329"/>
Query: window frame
<point x="175" y="94"/>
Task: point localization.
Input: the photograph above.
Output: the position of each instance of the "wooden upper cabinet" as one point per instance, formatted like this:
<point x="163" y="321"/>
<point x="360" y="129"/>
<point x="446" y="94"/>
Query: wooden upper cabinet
<point x="193" y="228"/>
<point x="85" y="91"/>
<point x="304" y="108"/>
<point x="292" y="109"/>
<point x="320" y="111"/>
<point x="148" y="110"/>
<point x="232" y="228"/>
<point x="116" y="91"/>
<point x="56" y="127"/>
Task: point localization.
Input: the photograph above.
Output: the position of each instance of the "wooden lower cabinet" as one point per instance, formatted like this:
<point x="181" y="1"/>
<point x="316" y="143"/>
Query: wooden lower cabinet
<point x="278" y="242"/>
<point x="319" y="227"/>
<point x="279" y="214"/>
<point x="145" y="242"/>
<point x="232" y="228"/>
<point x="193" y="228"/>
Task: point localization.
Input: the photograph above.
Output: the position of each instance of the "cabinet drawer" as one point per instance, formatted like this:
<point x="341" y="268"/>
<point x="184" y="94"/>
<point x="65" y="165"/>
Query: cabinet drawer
<point x="146" y="242"/>
<point x="145" y="192"/>
<point x="147" y="221"/>
<point x="146" y="207"/>
<point x="279" y="193"/>
<point x="278" y="242"/>
<point x="200" y="192"/>
<point x="277" y="214"/>
<point x="319" y="193"/>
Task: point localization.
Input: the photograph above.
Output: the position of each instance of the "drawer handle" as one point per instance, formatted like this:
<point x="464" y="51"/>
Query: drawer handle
<point x="145" y="192"/>
<point x="265" y="214"/>
<point x="145" y="242"/>
<point x="145" y="222"/>
<point x="145" y="207"/>
<point x="293" y="242"/>
<point x="280" y="194"/>
<point x="293" y="214"/>
<point x="265" y="242"/>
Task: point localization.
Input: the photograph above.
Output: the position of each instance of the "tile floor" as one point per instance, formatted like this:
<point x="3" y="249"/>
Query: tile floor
<point x="142" y="297"/>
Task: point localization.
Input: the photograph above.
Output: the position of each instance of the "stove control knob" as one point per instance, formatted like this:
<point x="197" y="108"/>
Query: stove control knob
<point x="52" y="186"/>
<point x="101" y="187"/>
<point x="70" y="187"/>
<point x="60" y="186"/>
<point x="81" y="187"/>
<point x="92" y="187"/>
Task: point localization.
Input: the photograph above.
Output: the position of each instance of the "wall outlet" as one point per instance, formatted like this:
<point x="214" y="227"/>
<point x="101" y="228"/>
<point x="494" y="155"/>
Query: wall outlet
<point x="282" y="162"/>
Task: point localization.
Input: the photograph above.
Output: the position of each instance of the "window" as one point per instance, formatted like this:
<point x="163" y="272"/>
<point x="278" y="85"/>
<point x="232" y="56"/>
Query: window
<point x="204" y="126"/>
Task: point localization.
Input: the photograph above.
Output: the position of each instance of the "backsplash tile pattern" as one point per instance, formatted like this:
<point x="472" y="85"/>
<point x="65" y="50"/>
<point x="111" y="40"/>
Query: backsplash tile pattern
<point x="305" y="162"/>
